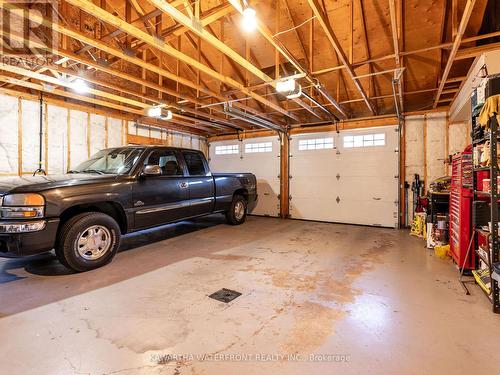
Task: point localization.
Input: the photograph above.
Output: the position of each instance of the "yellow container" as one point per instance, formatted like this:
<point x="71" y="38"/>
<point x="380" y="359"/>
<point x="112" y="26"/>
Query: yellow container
<point x="442" y="251"/>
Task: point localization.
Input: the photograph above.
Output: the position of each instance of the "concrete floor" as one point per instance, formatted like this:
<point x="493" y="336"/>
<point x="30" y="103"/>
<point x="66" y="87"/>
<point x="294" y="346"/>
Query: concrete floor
<point x="316" y="298"/>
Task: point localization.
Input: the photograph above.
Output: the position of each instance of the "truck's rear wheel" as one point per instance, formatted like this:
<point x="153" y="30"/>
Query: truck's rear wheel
<point x="238" y="211"/>
<point x="87" y="241"/>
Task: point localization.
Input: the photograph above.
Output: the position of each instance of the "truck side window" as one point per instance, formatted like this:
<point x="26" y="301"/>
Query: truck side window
<point x="194" y="163"/>
<point x="167" y="162"/>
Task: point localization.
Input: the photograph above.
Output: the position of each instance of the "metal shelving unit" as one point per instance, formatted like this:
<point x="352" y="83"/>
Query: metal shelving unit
<point x="489" y="253"/>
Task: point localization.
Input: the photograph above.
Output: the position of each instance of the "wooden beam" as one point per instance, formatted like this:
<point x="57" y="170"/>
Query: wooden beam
<point x="396" y="42"/>
<point x="131" y="59"/>
<point x="284" y="176"/>
<point x="367" y="49"/>
<point x="296" y="32"/>
<point x="87" y="99"/>
<point x="454" y="18"/>
<point x="469" y="53"/>
<point x="222" y="47"/>
<point x="325" y="24"/>
<point x="98" y="12"/>
<point x="454" y="49"/>
<point x="491" y="46"/>
<point x="283" y="51"/>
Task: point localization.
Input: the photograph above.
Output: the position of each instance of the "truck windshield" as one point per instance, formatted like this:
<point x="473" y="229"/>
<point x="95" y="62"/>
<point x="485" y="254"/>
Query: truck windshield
<point x="111" y="161"/>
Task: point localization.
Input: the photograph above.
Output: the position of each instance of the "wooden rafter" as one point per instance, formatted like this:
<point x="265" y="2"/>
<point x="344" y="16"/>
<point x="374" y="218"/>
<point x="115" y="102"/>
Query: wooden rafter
<point x="103" y="103"/>
<point x="396" y="44"/>
<point x="145" y="37"/>
<point x="367" y="47"/>
<point x="325" y="24"/>
<point x="199" y="30"/>
<point x="469" y="6"/>
<point x="124" y="105"/>
<point x="134" y="60"/>
<point x="283" y="51"/>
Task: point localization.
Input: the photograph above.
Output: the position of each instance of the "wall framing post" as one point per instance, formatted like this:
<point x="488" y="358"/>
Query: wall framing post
<point x="284" y="175"/>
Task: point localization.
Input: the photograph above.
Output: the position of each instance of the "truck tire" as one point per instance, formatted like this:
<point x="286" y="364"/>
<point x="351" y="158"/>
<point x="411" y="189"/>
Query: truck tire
<point x="238" y="211"/>
<point x="87" y="241"/>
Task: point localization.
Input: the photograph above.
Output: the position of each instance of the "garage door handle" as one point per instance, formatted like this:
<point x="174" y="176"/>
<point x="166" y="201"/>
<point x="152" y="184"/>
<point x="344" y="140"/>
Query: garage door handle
<point x="376" y="199"/>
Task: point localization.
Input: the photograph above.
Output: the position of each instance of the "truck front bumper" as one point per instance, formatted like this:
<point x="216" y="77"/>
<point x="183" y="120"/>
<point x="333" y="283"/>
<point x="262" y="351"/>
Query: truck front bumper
<point x="20" y="244"/>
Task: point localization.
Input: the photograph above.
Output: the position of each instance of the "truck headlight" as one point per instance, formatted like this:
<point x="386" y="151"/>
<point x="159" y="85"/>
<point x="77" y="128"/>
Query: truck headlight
<point x="22" y="206"/>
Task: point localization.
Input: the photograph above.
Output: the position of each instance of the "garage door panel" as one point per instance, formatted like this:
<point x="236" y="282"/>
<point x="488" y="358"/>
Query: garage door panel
<point x="265" y="164"/>
<point x="312" y="209"/>
<point x="366" y="212"/>
<point x="356" y="185"/>
<point x="369" y="186"/>
<point x="304" y="187"/>
<point x="377" y="161"/>
<point x="360" y="212"/>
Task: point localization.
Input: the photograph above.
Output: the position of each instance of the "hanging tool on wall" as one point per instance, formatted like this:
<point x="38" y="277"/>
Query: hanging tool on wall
<point x="416" y="188"/>
<point x="40" y="142"/>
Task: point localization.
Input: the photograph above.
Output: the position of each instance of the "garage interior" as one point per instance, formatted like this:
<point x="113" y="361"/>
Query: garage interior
<point x="373" y="247"/>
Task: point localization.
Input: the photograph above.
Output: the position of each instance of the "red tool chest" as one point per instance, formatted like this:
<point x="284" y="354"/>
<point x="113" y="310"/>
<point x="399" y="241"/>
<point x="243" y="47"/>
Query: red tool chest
<point x="461" y="197"/>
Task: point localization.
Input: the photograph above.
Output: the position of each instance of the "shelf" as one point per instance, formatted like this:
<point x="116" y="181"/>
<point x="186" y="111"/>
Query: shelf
<point x="483" y="258"/>
<point x="487" y="256"/>
<point x="476" y="169"/>
<point x="483" y="232"/>
<point x="482" y="140"/>
<point x="485" y="194"/>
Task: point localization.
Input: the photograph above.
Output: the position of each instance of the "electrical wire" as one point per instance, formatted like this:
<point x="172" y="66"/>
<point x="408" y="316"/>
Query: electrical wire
<point x="293" y="28"/>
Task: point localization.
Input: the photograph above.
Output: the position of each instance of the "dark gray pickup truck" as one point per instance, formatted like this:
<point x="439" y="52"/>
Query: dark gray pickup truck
<point x="83" y="214"/>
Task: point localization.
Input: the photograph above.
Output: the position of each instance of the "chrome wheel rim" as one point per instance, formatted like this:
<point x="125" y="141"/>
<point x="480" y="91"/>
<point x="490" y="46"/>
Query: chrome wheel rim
<point x="239" y="210"/>
<point x="93" y="242"/>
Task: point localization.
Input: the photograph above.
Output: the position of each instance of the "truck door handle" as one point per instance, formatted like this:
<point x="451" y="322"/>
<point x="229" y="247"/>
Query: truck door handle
<point x="183" y="185"/>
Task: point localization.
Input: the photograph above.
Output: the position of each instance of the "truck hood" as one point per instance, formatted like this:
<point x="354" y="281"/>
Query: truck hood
<point x="39" y="183"/>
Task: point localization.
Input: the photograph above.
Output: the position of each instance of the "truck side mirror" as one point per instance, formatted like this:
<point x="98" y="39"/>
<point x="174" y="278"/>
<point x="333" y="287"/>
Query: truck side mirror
<point x="152" y="170"/>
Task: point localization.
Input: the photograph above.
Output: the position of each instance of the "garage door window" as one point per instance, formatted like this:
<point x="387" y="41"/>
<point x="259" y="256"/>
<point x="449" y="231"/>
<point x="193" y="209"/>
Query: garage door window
<point x="315" y="144"/>
<point x="259" y="147"/>
<point x="366" y="140"/>
<point x="226" y="150"/>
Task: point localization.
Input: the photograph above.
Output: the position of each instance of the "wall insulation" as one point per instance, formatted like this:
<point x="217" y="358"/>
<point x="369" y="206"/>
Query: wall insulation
<point x="429" y="140"/>
<point x="458" y="137"/>
<point x="170" y="138"/>
<point x="57" y="151"/>
<point x="69" y="136"/>
<point x="30" y="136"/>
<point x="97" y="133"/>
<point x="9" y="135"/>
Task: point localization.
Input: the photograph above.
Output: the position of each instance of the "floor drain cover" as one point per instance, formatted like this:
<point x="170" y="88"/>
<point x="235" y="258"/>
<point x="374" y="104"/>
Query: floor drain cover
<point x="225" y="295"/>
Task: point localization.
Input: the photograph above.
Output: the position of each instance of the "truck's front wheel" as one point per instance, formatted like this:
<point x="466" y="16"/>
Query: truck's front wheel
<point x="238" y="211"/>
<point x="87" y="241"/>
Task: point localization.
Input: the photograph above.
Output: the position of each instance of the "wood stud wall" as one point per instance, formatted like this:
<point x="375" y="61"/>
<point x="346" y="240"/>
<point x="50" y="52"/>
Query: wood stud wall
<point x="22" y="115"/>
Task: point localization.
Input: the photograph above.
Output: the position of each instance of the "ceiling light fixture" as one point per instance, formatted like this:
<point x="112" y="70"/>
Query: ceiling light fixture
<point x="154" y="111"/>
<point x="285" y="85"/>
<point x="160" y="113"/>
<point x="80" y="86"/>
<point x="289" y="87"/>
<point x="249" y="21"/>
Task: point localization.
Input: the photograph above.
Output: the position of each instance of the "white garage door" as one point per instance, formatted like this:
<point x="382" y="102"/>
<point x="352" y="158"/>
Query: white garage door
<point x="346" y="177"/>
<point x="259" y="156"/>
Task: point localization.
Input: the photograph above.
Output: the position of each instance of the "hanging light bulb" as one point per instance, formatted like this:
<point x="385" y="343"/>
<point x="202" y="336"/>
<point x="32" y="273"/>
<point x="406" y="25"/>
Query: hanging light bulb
<point x="249" y="22"/>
